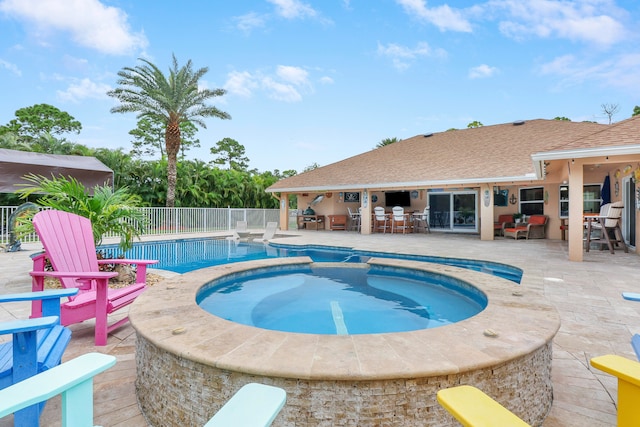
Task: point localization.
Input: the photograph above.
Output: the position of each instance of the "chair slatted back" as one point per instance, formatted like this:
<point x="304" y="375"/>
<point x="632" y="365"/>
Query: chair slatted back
<point x="614" y="214"/>
<point x="379" y="213"/>
<point x="398" y="213"/>
<point x="68" y="241"/>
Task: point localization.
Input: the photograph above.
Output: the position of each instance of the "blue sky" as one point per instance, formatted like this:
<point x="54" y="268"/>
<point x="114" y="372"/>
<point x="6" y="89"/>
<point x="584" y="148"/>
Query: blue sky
<point x="318" y="81"/>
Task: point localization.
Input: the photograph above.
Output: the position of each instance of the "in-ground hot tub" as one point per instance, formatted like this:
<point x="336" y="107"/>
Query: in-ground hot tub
<point x="190" y="362"/>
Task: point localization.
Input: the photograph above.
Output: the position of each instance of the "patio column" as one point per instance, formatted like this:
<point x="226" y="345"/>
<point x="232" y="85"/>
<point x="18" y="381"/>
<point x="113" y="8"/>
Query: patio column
<point x="284" y="211"/>
<point x="486" y="213"/>
<point x="365" y="218"/>
<point x="576" y="208"/>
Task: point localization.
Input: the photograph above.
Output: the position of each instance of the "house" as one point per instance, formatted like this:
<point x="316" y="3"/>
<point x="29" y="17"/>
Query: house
<point x="468" y="177"/>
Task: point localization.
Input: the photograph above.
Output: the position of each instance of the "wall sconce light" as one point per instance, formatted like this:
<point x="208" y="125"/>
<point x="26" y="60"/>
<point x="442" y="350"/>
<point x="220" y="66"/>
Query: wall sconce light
<point x="513" y="199"/>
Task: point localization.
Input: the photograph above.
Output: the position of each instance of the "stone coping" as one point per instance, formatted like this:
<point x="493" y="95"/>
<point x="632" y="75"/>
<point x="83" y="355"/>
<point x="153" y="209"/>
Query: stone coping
<point x="522" y="321"/>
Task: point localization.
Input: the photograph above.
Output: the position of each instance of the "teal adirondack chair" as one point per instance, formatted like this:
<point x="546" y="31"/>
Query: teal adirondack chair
<point x="37" y="345"/>
<point x="68" y="242"/>
<point x="73" y="379"/>
<point x="254" y="405"/>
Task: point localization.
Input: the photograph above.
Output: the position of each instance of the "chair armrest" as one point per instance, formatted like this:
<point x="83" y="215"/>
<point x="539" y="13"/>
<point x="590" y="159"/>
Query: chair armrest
<point x="622" y="368"/>
<point x="77" y="274"/>
<point x="43" y="295"/>
<point x="473" y="408"/>
<point x="48" y="302"/>
<point x="128" y="261"/>
<point x="27" y="325"/>
<point x="74" y="379"/>
<point x="252" y="405"/>
<point x="141" y="273"/>
<point x="631" y="296"/>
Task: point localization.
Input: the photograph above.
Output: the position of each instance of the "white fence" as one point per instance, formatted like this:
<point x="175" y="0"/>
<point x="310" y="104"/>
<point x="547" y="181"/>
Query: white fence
<point x="177" y="220"/>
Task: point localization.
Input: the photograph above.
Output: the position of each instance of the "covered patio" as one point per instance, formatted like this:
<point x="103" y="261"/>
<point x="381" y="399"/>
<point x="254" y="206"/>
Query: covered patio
<point x="468" y="178"/>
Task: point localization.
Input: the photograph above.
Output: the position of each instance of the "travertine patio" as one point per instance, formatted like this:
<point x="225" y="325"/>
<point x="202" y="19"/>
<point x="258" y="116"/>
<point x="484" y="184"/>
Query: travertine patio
<point x="595" y="319"/>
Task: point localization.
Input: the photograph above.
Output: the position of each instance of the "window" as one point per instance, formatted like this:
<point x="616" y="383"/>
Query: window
<point x="532" y="201"/>
<point x="564" y="201"/>
<point x="591" y="199"/>
<point x="591" y="196"/>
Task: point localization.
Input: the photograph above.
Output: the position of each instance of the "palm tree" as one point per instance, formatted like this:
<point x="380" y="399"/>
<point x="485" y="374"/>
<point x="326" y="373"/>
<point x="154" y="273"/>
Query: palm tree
<point x="109" y="211"/>
<point x="171" y="100"/>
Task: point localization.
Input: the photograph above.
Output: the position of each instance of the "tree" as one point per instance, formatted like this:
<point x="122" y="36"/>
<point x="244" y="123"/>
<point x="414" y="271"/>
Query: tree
<point x="563" y="119"/>
<point x="474" y="124"/>
<point x="609" y="110"/>
<point x="149" y="137"/>
<point x="40" y="119"/>
<point x="386" y="141"/>
<point x="311" y="167"/>
<point x="171" y="99"/>
<point x="230" y="152"/>
<point x="636" y="111"/>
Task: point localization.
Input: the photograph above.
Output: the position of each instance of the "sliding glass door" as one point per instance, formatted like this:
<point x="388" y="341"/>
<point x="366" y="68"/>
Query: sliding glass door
<point x="453" y="210"/>
<point x="629" y="194"/>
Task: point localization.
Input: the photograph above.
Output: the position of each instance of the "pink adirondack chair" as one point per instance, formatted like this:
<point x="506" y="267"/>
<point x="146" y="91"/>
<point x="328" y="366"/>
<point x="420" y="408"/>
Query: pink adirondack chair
<point x="68" y="243"/>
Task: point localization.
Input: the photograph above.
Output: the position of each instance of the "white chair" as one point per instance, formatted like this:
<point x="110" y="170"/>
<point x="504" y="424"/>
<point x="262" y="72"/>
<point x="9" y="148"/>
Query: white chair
<point x="241" y="231"/>
<point x="399" y="220"/>
<point x="380" y="220"/>
<point x="354" y="220"/>
<point x="421" y="221"/>
<point x="269" y="232"/>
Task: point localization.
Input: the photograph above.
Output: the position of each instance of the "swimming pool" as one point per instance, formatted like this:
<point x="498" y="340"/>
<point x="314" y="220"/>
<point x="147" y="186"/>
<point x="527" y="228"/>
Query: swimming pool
<point x="185" y="255"/>
<point x="344" y="299"/>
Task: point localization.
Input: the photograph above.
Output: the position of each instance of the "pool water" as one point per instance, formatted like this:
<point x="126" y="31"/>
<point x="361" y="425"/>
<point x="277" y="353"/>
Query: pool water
<point x="184" y="255"/>
<point x="341" y="300"/>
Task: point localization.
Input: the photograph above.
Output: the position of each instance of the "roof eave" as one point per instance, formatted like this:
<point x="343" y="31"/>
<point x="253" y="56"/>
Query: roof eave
<point x="582" y="153"/>
<point x="412" y="184"/>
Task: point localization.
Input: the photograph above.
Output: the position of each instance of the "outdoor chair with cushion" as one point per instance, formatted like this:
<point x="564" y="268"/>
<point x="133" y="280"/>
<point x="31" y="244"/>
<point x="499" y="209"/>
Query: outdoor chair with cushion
<point x="534" y="228"/>
<point x="608" y="223"/>
<point x="503" y="221"/>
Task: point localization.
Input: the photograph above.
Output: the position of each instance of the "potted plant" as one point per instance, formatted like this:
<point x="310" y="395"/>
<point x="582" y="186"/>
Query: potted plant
<point x="517" y="217"/>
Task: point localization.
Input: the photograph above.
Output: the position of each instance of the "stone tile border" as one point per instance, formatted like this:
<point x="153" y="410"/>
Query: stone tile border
<point x="190" y="362"/>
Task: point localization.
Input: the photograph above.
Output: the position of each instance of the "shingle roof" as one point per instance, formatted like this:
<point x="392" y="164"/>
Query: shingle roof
<point x="495" y="153"/>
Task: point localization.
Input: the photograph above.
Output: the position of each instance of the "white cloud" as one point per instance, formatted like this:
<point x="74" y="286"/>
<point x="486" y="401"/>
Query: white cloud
<point x="292" y="9"/>
<point x="326" y="80"/>
<point x="592" y="21"/>
<point x="249" y="21"/>
<point x="402" y="56"/>
<point x="442" y="17"/>
<point x="84" y="89"/>
<point x="10" y="67"/>
<point x="619" y="71"/>
<point x="287" y="84"/>
<point x="294" y="75"/>
<point x="241" y="83"/>
<point x="482" y="71"/>
<point x="89" y="22"/>
<point x="281" y="91"/>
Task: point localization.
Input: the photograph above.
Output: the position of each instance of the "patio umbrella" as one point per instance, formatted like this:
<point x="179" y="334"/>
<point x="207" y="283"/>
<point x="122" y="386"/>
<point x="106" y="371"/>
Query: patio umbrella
<point x="605" y="193"/>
